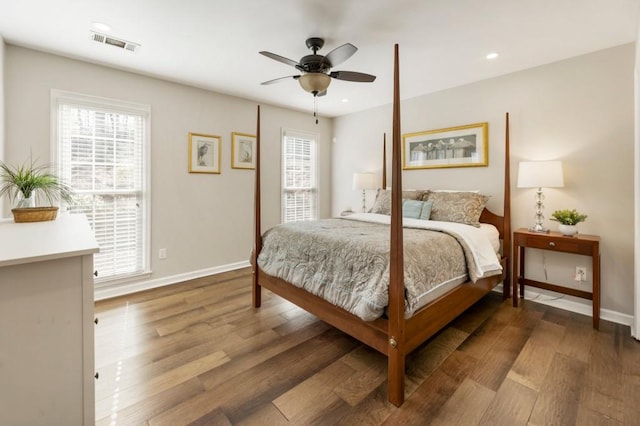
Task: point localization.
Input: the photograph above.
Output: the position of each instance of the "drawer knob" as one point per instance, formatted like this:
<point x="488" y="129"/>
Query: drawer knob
<point x="96" y="321"/>
<point x="97" y="376"/>
<point x="552" y="244"/>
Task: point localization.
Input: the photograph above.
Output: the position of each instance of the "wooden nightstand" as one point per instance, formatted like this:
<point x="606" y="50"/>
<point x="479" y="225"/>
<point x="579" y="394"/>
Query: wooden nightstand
<point x="587" y="245"/>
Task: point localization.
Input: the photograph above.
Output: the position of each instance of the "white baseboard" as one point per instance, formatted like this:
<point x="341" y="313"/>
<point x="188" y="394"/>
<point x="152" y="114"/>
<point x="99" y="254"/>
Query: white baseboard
<point x="133" y="287"/>
<point x="573" y="306"/>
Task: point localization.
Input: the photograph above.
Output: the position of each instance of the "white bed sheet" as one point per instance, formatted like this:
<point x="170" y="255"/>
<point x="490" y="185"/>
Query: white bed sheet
<point x="493" y="235"/>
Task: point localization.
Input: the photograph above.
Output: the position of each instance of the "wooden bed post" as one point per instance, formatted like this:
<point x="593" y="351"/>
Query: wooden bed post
<point x="257" y="239"/>
<point x="396" y="348"/>
<point x="384" y="161"/>
<point x="506" y="237"/>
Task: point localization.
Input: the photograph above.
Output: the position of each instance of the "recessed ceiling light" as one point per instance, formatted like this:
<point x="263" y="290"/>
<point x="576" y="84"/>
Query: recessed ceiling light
<point x="345" y="100"/>
<point x="101" y="26"/>
<point x="492" y="55"/>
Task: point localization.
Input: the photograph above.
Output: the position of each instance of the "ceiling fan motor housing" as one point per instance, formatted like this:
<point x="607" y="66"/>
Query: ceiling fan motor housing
<point x="312" y="63"/>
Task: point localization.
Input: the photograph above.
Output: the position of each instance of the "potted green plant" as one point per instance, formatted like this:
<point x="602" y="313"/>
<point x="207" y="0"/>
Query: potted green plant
<point x="568" y="220"/>
<point x="32" y="184"/>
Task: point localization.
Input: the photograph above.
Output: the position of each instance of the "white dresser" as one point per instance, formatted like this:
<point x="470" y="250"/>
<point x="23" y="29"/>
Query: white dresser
<point x="46" y="322"/>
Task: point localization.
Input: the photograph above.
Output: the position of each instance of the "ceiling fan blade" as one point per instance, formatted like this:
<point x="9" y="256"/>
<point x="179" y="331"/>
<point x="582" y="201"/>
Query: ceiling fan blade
<point x="275" y="80"/>
<point x="339" y="55"/>
<point x="280" y="58"/>
<point x="352" y="76"/>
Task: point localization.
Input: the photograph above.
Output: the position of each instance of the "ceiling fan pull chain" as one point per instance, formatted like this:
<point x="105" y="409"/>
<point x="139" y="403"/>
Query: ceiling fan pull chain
<point x="315" y="107"/>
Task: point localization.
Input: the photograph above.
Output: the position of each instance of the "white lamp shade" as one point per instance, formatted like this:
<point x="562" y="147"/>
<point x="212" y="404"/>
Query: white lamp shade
<point x="363" y="181"/>
<point x="540" y="174"/>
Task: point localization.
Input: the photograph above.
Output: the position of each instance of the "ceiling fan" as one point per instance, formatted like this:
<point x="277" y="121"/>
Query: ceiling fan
<point x="316" y="69"/>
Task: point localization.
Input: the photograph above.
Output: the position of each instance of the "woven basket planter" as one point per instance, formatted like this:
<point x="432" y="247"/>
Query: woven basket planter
<point x="34" y="214"/>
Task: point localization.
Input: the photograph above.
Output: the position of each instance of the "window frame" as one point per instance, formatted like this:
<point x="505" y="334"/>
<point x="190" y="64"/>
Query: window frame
<point x="314" y="138"/>
<point x="121" y="107"/>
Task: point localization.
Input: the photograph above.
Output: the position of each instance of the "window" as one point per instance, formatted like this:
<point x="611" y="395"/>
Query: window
<point x="101" y="149"/>
<point x="299" y="177"/>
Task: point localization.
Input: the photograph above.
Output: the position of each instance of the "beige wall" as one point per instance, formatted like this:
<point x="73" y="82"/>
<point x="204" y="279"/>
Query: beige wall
<point x="204" y="221"/>
<point x="579" y="111"/>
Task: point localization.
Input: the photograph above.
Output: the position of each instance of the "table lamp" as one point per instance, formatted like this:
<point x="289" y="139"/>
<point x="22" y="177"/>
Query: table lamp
<point x="540" y="174"/>
<point x="364" y="181"/>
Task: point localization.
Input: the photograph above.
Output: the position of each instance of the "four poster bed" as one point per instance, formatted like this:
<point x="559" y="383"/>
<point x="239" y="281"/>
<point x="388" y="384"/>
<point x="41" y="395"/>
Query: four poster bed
<point x="402" y="324"/>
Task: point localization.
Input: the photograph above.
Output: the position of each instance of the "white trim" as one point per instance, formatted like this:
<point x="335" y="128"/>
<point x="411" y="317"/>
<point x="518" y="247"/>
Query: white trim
<point x="128" y="288"/>
<point x="119" y="106"/>
<point x="58" y="97"/>
<point x="572" y="306"/>
<point x="300" y="134"/>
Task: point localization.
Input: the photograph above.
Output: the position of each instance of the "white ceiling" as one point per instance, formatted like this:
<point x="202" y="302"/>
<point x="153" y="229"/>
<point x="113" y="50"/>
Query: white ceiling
<point x="214" y="44"/>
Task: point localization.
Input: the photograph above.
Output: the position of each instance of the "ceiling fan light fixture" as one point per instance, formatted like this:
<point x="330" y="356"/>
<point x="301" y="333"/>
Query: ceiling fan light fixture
<point x="314" y="82"/>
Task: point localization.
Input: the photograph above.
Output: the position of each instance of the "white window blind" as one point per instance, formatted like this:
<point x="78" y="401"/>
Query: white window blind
<point x="299" y="182"/>
<point x="102" y="150"/>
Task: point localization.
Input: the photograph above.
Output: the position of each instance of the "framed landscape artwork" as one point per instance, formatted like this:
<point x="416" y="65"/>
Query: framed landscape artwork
<point x="461" y="146"/>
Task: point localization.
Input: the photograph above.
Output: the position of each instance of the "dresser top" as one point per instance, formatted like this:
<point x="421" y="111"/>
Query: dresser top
<point x="69" y="235"/>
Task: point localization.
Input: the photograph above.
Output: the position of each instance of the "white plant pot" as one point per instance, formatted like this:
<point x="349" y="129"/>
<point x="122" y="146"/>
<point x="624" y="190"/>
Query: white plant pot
<point x="25" y="203"/>
<point x="568" y="230"/>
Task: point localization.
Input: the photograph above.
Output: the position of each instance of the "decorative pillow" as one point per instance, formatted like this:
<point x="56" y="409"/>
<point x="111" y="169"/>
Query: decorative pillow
<point x="382" y="204"/>
<point x="416" y="209"/>
<point x="460" y="207"/>
<point x="425" y="214"/>
<point x="412" y="208"/>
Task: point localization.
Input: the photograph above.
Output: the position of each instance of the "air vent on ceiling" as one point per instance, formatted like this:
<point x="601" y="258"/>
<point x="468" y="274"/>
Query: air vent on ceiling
<point x="112" y="41"/>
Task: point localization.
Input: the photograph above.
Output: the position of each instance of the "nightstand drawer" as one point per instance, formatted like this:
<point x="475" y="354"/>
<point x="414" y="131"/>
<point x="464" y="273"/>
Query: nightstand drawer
<point x="565" y="245"/>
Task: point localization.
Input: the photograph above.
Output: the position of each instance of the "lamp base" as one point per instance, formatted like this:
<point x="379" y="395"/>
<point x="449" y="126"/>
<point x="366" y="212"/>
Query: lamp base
<point x="539" y="228"/>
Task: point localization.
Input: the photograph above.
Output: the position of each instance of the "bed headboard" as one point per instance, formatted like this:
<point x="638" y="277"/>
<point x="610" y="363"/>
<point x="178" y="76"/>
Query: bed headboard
<point x="493" y="219"/>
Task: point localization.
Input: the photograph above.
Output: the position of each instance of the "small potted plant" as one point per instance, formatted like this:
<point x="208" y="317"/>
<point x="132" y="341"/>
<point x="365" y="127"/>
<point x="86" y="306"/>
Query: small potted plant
<point x="568" y="220"/>
<point x="30" y="183"/>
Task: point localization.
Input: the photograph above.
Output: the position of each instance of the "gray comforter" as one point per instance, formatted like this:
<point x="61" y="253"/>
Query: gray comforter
<point x="346" y="262"/>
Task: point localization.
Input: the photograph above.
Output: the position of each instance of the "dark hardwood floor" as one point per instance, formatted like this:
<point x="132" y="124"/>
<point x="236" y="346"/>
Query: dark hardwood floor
<point x="197" y="353"/>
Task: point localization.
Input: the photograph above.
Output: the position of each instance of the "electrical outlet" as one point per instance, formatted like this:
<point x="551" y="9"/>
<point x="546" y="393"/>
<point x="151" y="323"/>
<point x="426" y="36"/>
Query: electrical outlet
<point x="162" y="253"/>
<point x="581" y="274"/>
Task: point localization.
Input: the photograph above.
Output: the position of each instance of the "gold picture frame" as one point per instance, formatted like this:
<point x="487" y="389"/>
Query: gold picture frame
<point x="204" y="153"/>
<point x="243" y="148"/>
<point x="460" y="146"/>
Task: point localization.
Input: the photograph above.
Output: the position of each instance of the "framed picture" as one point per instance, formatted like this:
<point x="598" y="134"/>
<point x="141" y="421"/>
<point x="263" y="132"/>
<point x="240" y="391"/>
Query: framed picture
<point x="243" y="151"/>
<point x="462" y="146"/>
<point x="204" y="153"/>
